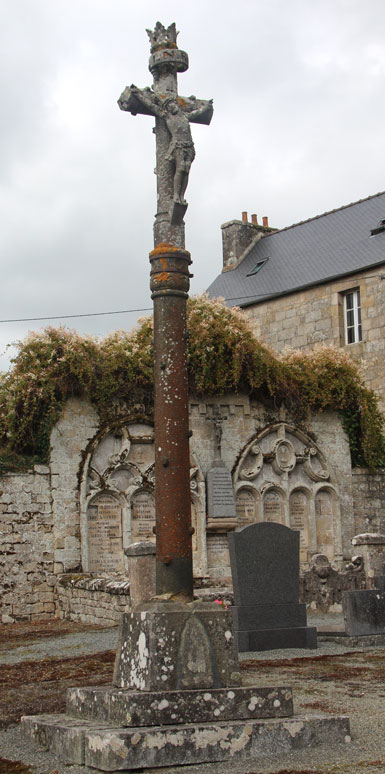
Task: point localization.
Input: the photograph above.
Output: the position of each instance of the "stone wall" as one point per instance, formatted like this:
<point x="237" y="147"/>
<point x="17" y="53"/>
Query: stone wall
<point x="92" y="600"/>
<point x="368" y="500"/>
<point x="27" y="580"/>
<point x="51" y="518"/>
<point x="315" y="316"/>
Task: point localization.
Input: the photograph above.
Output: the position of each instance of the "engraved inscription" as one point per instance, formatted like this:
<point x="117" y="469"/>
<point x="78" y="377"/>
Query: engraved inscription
<point x="246" y="507"/>
<point x="143" y="516"/>
<point x="105" y="544"/>
<point x="220" y="494"/>
<point x="299" y="520"/>
<point x="273" y="507"/>
<point x="218" y="551"/>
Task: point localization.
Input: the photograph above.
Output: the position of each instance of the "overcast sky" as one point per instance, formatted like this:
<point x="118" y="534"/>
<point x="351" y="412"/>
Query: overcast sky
<point x="298" y="129"/>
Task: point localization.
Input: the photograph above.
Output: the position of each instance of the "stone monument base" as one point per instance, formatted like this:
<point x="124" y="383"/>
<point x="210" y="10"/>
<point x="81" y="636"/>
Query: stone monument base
<point x="176" y="699"/>
<point x="105" y="748"/>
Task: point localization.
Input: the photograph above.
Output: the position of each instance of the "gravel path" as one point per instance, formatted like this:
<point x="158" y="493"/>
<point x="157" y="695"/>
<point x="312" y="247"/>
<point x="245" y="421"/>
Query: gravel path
<point x="361" y="698"/>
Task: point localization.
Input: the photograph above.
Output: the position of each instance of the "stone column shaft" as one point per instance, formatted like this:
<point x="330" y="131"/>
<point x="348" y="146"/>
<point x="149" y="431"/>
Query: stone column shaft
<point x="169" y="285"/>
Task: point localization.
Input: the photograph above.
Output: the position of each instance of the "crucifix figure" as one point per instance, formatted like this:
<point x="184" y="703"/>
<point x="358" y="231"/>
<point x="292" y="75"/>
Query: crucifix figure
<point x="175" y="150"/>
<point x="217" y="419"/>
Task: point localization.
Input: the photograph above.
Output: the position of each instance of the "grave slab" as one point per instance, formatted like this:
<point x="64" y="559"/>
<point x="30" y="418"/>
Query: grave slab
<point x="267" y="613"/>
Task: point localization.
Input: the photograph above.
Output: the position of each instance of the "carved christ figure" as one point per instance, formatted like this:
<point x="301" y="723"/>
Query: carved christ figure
<point x="181" y="150"/>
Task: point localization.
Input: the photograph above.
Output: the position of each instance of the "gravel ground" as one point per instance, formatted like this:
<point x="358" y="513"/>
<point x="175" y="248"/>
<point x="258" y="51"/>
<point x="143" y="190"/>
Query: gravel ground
<point x="360" y="695"/>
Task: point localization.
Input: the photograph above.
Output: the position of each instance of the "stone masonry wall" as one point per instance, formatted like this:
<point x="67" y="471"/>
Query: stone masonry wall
<point x="315" y="316"/>
<point x="368" y="500"/>
<point x="27" y="582"/>
<point x="97" y="601"/>
<point x="69" y="439"/>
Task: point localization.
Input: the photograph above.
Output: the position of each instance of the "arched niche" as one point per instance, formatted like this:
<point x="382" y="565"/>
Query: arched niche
<point x="274" y="505"/>
<point x="327" y="518"/>
<point x="248" y="505"/>
<point x="120" y="468"/>
<point x="105" y="533"/>
<point x="299" y="517"/>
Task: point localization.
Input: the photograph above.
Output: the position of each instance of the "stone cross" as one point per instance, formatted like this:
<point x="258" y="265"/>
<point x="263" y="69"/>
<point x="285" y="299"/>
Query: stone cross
<point x="170" y="282"/>
<point x="174" y="144"/>
<point x="217" y="419"/>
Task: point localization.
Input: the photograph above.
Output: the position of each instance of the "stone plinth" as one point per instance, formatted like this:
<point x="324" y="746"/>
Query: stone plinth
<point x="166" y="646"/>
<point x="105" y="748"/>
<point x="372" y="547"/>
<point x="141" y="571"/>
<point x="364" y="612"/>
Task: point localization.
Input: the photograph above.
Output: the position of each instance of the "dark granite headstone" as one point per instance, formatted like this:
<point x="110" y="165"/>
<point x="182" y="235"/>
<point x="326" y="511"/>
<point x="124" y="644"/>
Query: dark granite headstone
<point x="265" y="569"/>
<point x="364" y="612"/>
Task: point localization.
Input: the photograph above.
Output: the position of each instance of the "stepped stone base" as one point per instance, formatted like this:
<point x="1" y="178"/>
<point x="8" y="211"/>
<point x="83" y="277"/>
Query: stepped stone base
<point x="106" y="748"/>
<point x="153" y="708"/>
<point x="274" y="639"/>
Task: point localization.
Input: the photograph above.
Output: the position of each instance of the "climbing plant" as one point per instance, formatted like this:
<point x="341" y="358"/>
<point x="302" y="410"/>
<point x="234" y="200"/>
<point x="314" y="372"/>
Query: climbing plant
<point x="223" y="356"/>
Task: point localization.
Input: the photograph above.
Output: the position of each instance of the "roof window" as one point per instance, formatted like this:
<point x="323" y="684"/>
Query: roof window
<point x="258" y="266"/>
<point x="379" y="229"/>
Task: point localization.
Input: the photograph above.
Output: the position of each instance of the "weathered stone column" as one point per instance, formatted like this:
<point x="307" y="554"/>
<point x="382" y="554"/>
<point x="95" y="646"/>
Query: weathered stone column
<point x="169" y="285"/>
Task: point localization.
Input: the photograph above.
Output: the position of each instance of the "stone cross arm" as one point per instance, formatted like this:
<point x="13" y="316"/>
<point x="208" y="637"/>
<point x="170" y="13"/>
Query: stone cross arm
<point x="146" y="102"/>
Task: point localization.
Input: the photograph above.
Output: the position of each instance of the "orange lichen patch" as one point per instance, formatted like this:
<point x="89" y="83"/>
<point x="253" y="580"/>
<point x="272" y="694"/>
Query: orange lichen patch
<point x="166" y="247"/>
<point x="182" y="102"/>
<point x="163" y="46"/>
<point x="163" y="276"/>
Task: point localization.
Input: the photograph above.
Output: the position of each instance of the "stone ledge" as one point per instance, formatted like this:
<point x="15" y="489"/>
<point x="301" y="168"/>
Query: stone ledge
<point x="151" y="708"/>
<point x="120" y="749"/>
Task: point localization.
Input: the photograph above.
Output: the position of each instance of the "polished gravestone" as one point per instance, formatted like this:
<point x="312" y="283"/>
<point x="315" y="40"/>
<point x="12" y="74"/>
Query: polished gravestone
<point x="265" y="570"/>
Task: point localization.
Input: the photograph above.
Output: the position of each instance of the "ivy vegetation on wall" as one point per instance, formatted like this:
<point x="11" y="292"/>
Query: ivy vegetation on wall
<point x="223" y="356"/>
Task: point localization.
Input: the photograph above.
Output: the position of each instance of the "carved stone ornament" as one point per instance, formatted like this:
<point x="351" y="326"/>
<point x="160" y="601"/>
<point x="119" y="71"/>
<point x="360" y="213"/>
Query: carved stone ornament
<point x="252" y="464"/>
<point x="318" y="473"/>
<point x="284" y="459"/>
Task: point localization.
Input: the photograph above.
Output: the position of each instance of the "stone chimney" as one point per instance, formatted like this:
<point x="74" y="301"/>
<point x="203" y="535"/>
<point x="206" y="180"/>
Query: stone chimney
<point x="239" y="236"/>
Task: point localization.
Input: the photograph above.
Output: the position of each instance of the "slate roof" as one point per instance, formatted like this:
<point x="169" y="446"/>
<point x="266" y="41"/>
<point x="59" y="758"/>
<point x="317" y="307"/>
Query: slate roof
<point x="312" y="252"/>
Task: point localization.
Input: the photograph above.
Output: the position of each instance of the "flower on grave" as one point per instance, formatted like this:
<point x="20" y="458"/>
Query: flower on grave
<point x="221" y="603"/>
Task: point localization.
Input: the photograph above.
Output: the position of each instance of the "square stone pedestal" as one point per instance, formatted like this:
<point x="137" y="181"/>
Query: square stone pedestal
<point x="177" y="699"/>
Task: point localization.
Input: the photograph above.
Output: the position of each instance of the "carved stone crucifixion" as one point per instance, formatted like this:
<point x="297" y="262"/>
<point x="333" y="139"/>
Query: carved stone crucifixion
<point x="174" y="144"/>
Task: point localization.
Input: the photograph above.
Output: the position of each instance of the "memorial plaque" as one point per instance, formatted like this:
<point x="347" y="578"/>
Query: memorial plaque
<point x="299" y="520"/>
<point x="105" y="543"/>
<point x="324" y="523"/>
<point x="273" y="507"/>
<point x="142" y="516"/>
<point x="246" y="506"/>
<point x="218" y="551"/>
<point x="220" y="494"/>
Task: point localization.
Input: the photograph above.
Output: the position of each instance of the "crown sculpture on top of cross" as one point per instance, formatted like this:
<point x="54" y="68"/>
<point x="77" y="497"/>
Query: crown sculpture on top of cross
<point x="175" y="150"/>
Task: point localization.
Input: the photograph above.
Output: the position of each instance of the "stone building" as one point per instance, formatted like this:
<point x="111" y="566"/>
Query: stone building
<point x="318" y="281"/>
<point x="65" y="525"/>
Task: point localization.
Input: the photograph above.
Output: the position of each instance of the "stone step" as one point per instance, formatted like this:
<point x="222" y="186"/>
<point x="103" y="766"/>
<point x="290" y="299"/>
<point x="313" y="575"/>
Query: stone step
<point x="154" y="708"/>
<point x="106" y="748"/>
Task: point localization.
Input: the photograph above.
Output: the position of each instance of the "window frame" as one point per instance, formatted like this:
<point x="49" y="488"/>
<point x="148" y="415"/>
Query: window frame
<point x="352" y="316"/>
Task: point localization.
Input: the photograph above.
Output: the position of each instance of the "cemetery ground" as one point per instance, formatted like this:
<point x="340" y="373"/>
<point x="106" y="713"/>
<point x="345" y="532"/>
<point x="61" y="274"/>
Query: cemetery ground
<point x="40" y="660"/>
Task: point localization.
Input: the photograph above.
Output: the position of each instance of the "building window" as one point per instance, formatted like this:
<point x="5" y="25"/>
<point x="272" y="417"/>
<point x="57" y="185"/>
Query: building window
<point x="257" y="267"/>
<point x="352" y="317"/>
